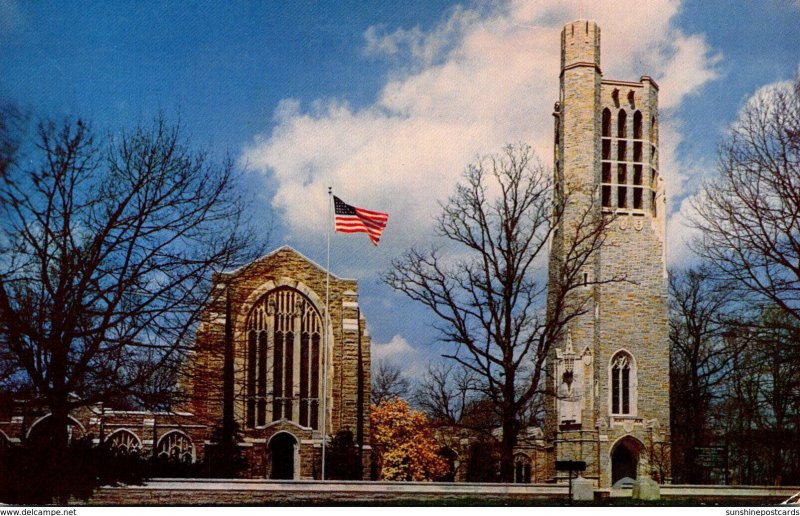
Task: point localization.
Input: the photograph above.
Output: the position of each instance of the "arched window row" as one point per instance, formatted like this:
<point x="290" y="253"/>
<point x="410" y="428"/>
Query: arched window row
<point x="622" y="125"/>
<point x="629" y="176"/>
<point x="176" y="445"/>
<point x="623" y="384"/>
<point x="284" y="338"/>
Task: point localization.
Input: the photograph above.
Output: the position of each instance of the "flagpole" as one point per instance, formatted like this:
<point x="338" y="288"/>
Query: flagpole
<point x="326" y="338"/>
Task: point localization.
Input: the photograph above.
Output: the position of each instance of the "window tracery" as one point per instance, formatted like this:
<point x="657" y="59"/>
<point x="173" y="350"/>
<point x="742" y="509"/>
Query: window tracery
<point x="176" y="445"/>
<point x="522" y="469"/>
<point x="623" y="384"/>
<point x="124" y="441"/>
<point x="284" y="337"/>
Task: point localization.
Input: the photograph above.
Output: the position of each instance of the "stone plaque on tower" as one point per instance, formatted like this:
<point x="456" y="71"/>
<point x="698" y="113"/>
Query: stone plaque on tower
<point x="571" y="373"/>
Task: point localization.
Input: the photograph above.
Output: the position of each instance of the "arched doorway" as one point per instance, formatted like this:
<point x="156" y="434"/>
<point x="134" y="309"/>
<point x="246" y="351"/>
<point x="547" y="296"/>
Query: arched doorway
<point x="282" y="448"/>
<point x="451" y="457"/>
<point x="625" y="459"/>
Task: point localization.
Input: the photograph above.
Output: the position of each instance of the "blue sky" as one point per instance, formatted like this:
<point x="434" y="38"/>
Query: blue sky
<point x="386" y="101"/>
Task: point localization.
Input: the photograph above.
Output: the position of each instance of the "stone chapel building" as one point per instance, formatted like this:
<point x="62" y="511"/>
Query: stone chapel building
<point x="275" y="311"/>
<point x="611" y="372"/>
<point x="276" y="308"/>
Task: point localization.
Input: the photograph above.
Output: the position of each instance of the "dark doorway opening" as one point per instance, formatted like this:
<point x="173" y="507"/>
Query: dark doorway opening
<point x="450" y="456"/>
<point x="282" y="450"/>
<point x="625" y="459"/>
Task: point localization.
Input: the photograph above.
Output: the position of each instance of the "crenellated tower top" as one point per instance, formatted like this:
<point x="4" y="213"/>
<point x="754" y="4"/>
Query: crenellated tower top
<point x="580" y="44"/>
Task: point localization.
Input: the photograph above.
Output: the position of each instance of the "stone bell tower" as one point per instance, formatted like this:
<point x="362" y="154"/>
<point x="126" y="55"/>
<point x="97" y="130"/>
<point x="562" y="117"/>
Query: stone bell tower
<point x="610" y="373"/>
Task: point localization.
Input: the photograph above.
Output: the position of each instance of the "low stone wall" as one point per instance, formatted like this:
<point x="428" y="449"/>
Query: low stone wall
<point x="729" y="493"/>
<point x="310" y="492"/>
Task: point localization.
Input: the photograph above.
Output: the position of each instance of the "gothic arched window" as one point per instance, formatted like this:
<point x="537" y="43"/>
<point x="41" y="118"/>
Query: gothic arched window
<point x="176" y="445"/>
<point x="622" y="127"/>
<point x="637" y="125"/>
<point x="284" y="335"/>
<point x="606" y="146"/>
<point x="623" y="384"/>
<point x="124" y="441"/>
<point x="522" y="469"/>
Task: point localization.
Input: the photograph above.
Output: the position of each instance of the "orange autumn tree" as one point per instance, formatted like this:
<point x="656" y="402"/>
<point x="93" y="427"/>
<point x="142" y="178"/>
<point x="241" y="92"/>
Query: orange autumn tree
<point x="404" y="443"/>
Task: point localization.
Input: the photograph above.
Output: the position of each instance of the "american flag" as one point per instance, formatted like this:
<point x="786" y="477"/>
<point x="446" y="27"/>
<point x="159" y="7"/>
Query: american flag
<point x="350" y="219"/>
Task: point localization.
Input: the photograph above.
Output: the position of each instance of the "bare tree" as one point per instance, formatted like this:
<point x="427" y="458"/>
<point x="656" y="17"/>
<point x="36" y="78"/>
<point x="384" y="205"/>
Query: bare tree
<point x="749" y="217"/>
<point x="700" y="355"/>
<point x="759" y="413"/>
<point x="106" y="256"/>
<point x="11" y="127"/>
<point x="388" y="382"/>
<point x="489" y="300"/>
<point x="446" y="392"/>
<point x="735" y="384"/>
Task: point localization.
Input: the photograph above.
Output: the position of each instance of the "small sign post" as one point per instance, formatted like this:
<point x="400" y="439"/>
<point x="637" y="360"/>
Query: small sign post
<point x="570" y="466"/>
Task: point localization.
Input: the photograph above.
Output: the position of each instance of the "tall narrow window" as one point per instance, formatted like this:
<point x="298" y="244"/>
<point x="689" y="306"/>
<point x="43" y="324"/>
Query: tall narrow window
<point x="637" y="198"/>
<point x="251" y="378"/>
<point x="304" y="357"/>
<point x="637" y="125"/>
<point x="288" y="391"/>
<point x="606" y="172"/>
<point x="637" y="192"/>
<point x="623" y="376"/>
<point x="277" y="377"/>
<point x="262" y="378"/>
<point x="314" y="394"/>
<point x="622" y="128"/>
<point x="607" y="123"/>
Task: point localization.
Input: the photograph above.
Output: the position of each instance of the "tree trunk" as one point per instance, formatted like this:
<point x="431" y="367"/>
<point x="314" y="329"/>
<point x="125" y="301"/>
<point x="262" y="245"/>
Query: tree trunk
<point x="57" y="467"/>
<point x="507" y="445"/>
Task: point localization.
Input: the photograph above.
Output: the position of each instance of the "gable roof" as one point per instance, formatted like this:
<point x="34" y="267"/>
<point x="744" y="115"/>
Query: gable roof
<point x="285" y="247"/>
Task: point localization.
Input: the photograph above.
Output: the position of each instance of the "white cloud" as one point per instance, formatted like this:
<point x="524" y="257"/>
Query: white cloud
<point x="479" y="80"/>
<point x="400" y="353"/>
<point x="680" y="233"/>
<point x="687" y="187"/>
